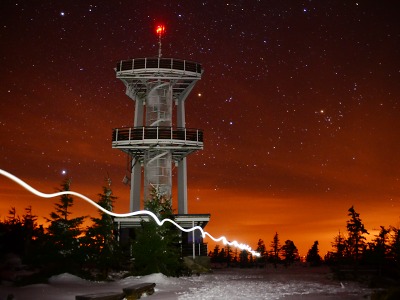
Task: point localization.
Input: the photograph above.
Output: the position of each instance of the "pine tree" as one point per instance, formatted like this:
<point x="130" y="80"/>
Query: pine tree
<point x="155" y="249"/>
<point x="17" y="234"/>
<point x="244" y="259"/>
<point x="262" y="259"/>
<point x="356" y="231"/>
<point x="29" y="219"/>
<point x="64" y="232"/>
<point x="235" y="258"/>
<point x="13" y="218"/>
<point x="395" y="246"/>
<point x="215" y="254"/>
<point x="228" y="258"/>
<point x="313" y="256"/>
<point x="339" y="244"/>
<point x="100" y="237"/>
<point x="379" y="249"/>
<point x="13" y="235"/>
<point x="30" y="230"/>
<point x="275" y="250"/>
<point x="382" y="242"/>
<point x="290" y="252"/>
<point x="222" y="256"/>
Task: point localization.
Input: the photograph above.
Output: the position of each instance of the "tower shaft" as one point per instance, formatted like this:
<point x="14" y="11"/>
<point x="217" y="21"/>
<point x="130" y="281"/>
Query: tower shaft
<point x="157" y="162"/>
<point x="154" y="143"/>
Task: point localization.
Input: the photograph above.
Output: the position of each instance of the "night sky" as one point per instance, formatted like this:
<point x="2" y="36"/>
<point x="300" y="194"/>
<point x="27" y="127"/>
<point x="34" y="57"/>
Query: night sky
<point x="299" y="103"/>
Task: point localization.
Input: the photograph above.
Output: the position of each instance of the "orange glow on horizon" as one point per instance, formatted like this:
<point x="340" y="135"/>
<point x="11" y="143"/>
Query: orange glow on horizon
<point x="289" y="217"/>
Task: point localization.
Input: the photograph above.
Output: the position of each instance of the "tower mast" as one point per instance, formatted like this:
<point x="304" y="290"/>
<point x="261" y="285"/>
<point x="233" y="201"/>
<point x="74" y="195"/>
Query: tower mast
<point x="160" y="30"/>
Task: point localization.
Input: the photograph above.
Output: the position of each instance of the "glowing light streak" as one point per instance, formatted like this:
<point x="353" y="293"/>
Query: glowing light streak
<point x="131" y="214"/>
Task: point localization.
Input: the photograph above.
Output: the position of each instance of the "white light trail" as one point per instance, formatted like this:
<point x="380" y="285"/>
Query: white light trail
<point x="131" y="214"/>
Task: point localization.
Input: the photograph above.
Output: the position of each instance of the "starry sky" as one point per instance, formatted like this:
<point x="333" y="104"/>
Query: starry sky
<point x="299" y="103"/>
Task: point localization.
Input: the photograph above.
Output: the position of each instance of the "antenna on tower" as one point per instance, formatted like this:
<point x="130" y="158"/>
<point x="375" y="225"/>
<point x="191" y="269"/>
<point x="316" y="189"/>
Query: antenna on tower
<point x="160" y="30"/>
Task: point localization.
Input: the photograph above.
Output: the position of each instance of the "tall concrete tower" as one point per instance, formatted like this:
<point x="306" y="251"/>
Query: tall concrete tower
<point x="159" y="138"/>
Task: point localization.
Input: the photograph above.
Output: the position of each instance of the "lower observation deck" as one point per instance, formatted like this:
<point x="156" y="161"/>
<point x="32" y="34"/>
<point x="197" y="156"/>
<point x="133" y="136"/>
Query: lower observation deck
<point x="136" y="140"/>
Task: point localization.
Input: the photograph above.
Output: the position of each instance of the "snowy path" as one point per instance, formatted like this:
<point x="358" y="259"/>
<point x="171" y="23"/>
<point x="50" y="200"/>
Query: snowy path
<point x="272" y="284"/>
<point x="292" y="283"/>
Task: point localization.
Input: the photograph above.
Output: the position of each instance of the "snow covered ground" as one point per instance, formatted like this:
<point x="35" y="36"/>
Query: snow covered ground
<point x="292" y="283"/>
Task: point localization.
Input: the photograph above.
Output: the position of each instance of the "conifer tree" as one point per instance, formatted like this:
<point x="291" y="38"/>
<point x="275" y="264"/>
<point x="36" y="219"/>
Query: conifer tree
<point x="244" y="259"/>
<point x="356" y="238"/>
<point x="155" y="249"/>
<point x="222" y="256"/>
<point x="261" y="247"/>
<point x="13" y="218"/>
<point x="381" y="242"/>
<point x="339" y="244"/>
<point x="313" y="256"/>
<point x="378" y="251"/>
<point x="30" y="230"/>
<point x="262" y="259"/>
<point x="64" y="231"/>
<point x="235" y="257"/>
<point x="275" y="250"/>
<point x="100" y="237"/>
<point x="290" y="252"/>
<point x="36" y="240"/>
<point x="13" y="234"/>
<point x="214" y="255"/>
<point x="228" y="258"/>
<point x="395" y="246"/>
<point x="18" y="234"/>
<point x="29" y="219"/>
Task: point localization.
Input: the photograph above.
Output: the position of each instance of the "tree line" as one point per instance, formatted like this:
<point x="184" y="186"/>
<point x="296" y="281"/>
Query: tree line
<point x="277" y="254"/>
<point x="64" y="244"/>
<point x="350" y="251"/>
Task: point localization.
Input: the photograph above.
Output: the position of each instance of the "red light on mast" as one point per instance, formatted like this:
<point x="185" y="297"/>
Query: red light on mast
<point x="160" y="30"/>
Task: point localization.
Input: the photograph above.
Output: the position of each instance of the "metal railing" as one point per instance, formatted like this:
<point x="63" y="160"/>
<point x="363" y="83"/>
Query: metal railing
<point x="157" y="133"/>
<point x="158" y="63"/>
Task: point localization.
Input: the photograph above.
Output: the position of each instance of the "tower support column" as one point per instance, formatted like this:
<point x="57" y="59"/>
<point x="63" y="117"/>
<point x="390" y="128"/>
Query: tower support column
<point x="182" y="187"/>
<point x="136" y="182"/>
<point x="136" y="172"/>
<point x="182" y="166"/>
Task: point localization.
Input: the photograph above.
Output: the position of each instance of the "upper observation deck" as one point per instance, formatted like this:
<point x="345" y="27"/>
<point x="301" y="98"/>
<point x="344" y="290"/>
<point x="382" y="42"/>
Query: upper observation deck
<point x="139" y="72"/>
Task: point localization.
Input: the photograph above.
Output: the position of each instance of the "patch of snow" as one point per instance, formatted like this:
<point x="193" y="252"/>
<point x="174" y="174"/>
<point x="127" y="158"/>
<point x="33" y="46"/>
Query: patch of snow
<point x="291" y="283"/>
<point x="66" y="278"/>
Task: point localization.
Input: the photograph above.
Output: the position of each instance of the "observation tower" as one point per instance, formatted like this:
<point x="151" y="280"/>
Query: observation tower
<point x="158" y="139"/>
